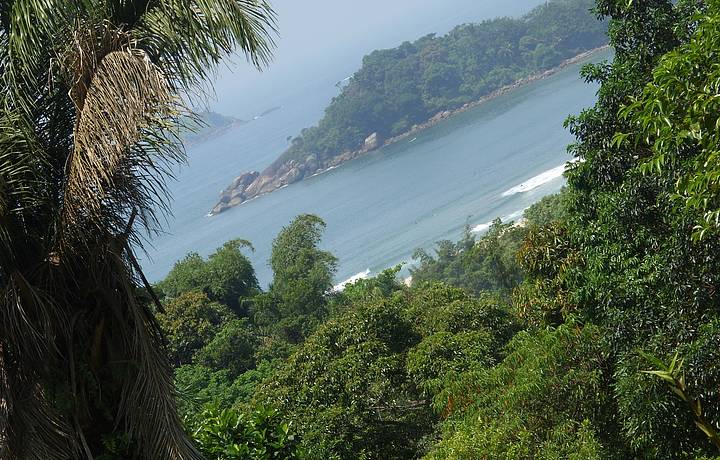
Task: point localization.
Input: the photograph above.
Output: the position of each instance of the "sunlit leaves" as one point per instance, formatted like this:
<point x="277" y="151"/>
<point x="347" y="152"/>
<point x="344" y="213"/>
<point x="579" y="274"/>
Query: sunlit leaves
<point x="676" y="118"/>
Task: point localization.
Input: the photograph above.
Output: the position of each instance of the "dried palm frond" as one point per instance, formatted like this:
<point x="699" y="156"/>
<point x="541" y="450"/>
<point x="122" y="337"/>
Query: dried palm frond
<point x="119" y="94"/>
<point x="34" y="430"/>
<point x="150" y="396"/>
<point x="89" y="113"/>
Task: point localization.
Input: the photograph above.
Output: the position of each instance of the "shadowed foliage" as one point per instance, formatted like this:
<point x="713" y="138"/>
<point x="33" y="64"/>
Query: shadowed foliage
<point x="92" y="97"/>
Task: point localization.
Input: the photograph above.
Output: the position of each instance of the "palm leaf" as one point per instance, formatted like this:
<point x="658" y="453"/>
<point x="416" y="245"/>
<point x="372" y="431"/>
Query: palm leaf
<point x="91" y="108"/>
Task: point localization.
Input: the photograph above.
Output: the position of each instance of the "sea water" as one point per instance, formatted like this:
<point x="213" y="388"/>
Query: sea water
<point x="492" y="161"/>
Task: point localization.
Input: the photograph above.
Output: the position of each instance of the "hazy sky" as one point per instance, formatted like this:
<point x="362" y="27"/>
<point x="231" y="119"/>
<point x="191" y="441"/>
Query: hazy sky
<point x="327" y="38"/>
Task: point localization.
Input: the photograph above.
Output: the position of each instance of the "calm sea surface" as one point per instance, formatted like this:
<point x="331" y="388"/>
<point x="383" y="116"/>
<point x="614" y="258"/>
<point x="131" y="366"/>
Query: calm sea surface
<point x="493" y="161"/>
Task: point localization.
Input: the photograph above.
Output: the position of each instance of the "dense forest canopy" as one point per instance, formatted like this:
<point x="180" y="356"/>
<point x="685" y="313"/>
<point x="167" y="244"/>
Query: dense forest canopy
<point x="400" y="87"/>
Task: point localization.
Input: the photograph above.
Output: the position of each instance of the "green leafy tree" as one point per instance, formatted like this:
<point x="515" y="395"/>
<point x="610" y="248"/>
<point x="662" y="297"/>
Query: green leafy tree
<point x="302" y="278"/>
<point x="346" y="387"/>
<point x="190" y="322"/>
<point x="640" y="276"/>
<point x="485" y="264"/>
<point x="91" y="97"/>
<point x="547" y="399"/>
<point x="361" y="385"/>
<point x="226" y="434"/>
<point x="232" y="348"/>
<point x="673" y="122"/>
<point x="227" y="276"/>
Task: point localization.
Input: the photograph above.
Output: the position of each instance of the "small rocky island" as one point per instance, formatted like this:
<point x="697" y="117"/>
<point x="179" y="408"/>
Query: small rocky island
<point x="284" y="172"/>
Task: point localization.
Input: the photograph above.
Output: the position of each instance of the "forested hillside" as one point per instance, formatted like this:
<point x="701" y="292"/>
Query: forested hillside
<point x="397" y="89"/>
<point x="589" y="331"/>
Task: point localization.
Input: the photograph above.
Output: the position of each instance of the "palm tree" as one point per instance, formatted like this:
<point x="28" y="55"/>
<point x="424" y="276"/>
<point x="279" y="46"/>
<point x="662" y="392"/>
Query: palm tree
<point x="93" y="94"/>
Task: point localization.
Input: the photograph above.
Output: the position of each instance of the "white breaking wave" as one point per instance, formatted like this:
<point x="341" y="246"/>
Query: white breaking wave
<point x="505" y="219"/>
<point x="360" y="276"/>
<point x="537" y="181"/>
<point x="481" y="227"/>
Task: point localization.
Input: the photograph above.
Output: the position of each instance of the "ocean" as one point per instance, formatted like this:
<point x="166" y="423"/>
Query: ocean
<point x="492" y="161"/>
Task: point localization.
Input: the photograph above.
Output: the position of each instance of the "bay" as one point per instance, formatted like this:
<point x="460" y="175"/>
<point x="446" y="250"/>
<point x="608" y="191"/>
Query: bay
<point x="492" y="161"/>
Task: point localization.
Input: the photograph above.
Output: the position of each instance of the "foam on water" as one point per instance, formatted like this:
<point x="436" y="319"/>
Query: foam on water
<point x="359" y="276"/>
<point x="481" y="227"/>
<point x="535" y="182"/>
<point x="506" y="218"/>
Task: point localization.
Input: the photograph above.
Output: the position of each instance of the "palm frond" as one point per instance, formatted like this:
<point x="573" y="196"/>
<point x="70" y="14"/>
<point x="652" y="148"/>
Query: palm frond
<point x="90" y="111"/>
<point x="188" y="38"/>
<point x="31" y="322"/>
<point x="149" y="393"/>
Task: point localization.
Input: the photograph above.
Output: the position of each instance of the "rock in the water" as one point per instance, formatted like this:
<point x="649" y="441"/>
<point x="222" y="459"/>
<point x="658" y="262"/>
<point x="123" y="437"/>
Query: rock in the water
<point x="243" y="180"/>
<point x="372" y="142"/>
<point x="234" y="194"/>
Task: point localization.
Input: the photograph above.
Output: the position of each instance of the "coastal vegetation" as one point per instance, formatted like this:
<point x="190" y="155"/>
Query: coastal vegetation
<point x="399" y="90"/>
<point x="590" y="329"/>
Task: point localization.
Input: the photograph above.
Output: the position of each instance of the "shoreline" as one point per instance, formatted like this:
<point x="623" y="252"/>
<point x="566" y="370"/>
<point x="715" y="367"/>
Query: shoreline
<point x="539" y="76"/>
<point x="433" y="121"/>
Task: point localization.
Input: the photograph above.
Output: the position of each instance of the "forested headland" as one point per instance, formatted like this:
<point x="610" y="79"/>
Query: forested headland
<point x="404" y="89"/>
<point x="207" y="124"/>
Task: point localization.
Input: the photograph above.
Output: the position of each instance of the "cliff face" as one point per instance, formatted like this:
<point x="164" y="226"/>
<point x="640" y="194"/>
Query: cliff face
<point x="252" y="184"/>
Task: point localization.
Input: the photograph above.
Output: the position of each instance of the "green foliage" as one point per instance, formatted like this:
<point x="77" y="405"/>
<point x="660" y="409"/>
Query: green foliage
<point x="200" y="386"/>
<point x="548" y="258"/>
<point x="191" y="321"/>
<point x="359" y="387"/>
<point x="487" y="264"/>
<point x="444" y="354"/>
<point x="346" y="386"/>
<point x="400" y="87"/>
<point x="302" y="276"/>
<point x="232" y="348"/>
<point x="637" y="271"/>
<point x="491" y="262"/>
<point x="227" y="276"/>
<point x="674" y="376"/>
<point x="539" y="402"/>
<point x="117" y="446"/>
<point x="378" y="287"/>
<point x="674" y="121"/>
<point x="551" y="208"/>
<point x="226" y="434"/>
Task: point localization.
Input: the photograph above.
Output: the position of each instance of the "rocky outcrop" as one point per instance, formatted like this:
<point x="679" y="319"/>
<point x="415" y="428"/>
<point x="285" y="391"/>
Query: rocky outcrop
<point x="281" y="173"/>
<point x="234" y="194"/>
<point x="372" y="142"/>
<point x="253" y="184"/>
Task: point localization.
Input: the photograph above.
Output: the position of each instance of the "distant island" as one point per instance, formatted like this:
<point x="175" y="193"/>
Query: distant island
<point x="400" y="91"/>
<point x="209" y="124"/>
